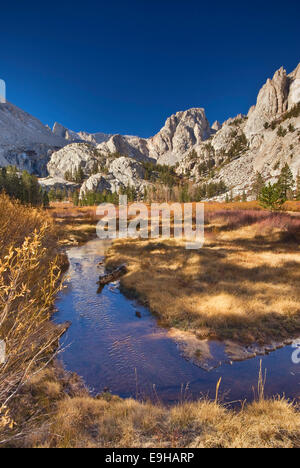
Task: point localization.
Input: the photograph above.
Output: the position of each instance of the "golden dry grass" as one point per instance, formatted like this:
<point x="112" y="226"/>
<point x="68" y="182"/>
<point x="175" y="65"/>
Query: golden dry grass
<point x="67" y="417"/>
<point x="293" y="206"/>
<point x="76" y="224"/>
<point x="110" y="422"/>
<point x="29" y="281"/>
<point x="52" y="409"/>
<point x="243" y="285"/>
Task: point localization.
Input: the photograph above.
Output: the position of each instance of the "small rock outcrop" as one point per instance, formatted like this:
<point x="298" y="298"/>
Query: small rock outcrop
<point x="133" y="147"/>
<point x="216" y="126"/>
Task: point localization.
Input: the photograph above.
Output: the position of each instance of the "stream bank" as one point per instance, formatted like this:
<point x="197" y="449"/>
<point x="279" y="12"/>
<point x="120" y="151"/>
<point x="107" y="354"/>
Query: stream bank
<point x="113" y="347"/>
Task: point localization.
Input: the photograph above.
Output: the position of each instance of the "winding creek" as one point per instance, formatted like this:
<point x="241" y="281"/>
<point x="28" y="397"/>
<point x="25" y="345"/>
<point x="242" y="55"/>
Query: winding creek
<point x="109" y="346"/>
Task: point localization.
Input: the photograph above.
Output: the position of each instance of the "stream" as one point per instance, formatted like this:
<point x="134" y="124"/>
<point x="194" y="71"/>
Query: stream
<point x="111" y="347"/>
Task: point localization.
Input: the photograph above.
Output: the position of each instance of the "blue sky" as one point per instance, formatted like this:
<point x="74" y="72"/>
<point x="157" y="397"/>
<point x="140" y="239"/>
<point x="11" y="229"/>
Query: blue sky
<point x="125" y="66"/>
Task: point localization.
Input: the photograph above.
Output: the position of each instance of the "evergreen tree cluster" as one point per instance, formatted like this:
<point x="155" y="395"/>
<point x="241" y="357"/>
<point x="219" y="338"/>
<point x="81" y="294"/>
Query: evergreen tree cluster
<point x="58" y="194"/>
<point x="96" y="198"/>
<point x="273" y="196"/>
<point x="163" y="174"/>
<point x="294" y="112"/>
<point x="77" y="175"/>
<point x="238" y="146"/>
<point x="22" y="186"/>
<point x="201" y="192"/>
<point x="209" y="190"/>
<point x="206" y="167"/>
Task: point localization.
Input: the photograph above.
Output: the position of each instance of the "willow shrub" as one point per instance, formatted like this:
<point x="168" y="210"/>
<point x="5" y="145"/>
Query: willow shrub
<point x="29" y="282"/>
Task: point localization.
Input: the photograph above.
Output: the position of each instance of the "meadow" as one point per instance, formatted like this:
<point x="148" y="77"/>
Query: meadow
<point x="41" y="405"/>
<point x="243" y="285"/>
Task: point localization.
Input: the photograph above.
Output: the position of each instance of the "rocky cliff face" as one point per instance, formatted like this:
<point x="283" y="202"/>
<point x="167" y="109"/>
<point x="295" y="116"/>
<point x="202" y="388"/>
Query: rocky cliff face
<point x="71" y="158"/>
<point x="180" y="133"/>
<point x="25" y="141"/>
<point x="272" y="101"/>
<point x="134" y="147"/>
<point x="264" y="140"/>
<point x="121" y="173"/>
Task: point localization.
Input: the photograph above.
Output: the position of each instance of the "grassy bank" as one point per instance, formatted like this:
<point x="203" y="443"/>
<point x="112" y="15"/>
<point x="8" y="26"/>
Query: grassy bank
<point x="244" y="285"/>
<point x="76" y="225"/>
<point x="111" y="422"/>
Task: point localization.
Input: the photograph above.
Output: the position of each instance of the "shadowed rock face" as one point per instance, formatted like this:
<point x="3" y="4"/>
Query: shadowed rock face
<point x="272" y="100"/>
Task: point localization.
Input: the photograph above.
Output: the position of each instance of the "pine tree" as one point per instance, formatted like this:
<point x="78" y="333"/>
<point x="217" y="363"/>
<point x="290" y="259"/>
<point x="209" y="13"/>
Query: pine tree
<point x="95" y="168"/>
<point x="258" y="185"/>
<point x="45" y="199"/>
<point x="184" y="194"/>
<point x="52" y="195"/>
<point x="75" y="198"/>
<point x="286" y="182"/>
<point x="298" y="186"/>
<point x="79" y="175"/>
<point x="271" y="197"/>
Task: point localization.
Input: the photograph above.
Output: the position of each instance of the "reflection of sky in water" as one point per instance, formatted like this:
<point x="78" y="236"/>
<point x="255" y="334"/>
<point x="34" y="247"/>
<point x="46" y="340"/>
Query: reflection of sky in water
<point x="110" y="347"/>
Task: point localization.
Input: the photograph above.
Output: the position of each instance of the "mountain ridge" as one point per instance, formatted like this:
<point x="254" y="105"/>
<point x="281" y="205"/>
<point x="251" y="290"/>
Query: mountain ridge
<point x="263" y="140"/>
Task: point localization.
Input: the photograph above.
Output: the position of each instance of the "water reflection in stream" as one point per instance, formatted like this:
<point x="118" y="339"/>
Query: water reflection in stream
<point x="109" y="346"/>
